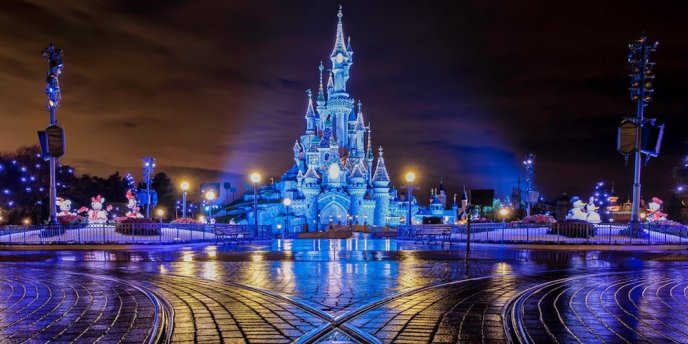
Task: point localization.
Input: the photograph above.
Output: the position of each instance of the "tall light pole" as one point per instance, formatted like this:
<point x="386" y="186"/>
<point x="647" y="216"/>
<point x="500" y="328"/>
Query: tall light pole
<point x="641" y="91"/>
<point x="148" y="167"/>
<point x="255" y="179"/>
<point x="210" y="196"/>
<point x="410" y="178"/>
<point x="185" y="187"/>
<point x="287" y="203"/>
<point x="529" y="163"/>
<point x="55" y="65"/>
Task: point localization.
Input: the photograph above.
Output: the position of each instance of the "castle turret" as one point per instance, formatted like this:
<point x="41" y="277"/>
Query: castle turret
<point x="311" y="126"/>
<point x="369" y="155"/>
<point x="442" y="195"/>
<point x="357" y="188"/>
<point x="381" y="191"/>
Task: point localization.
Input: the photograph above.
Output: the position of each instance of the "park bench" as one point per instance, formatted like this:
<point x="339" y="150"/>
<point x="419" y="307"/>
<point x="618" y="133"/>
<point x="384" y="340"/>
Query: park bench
<point x="232" y="235"/>
<point x="433" y="235"/>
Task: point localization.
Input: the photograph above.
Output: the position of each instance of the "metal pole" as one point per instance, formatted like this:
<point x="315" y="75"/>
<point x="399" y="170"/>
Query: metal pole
<point x="635" y="212"/>
<point x="286" y="224"/>
<point x="410" y="200"/>
<point x="255" y="205"/>
<point x="183" y="203"/>
<point x="53" y="182"/>
<point x="148" y="196"/>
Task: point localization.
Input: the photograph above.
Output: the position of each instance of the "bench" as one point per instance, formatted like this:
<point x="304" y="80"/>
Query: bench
<point x="435" y="235"/>
<point x="232" y="235"/>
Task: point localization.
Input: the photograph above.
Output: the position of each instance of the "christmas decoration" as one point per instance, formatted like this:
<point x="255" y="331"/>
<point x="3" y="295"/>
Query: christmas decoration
<point x="577" y="212"/>
<point x="133" y="205"/>
<point x="592" y="216"/>
<point x="654" y="212"/>
<point x="65" y="206"/>
<point x="96" y="214"/>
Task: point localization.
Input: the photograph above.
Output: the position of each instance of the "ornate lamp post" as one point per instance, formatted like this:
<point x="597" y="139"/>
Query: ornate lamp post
<point x="210" y="197"/>
<point x="410" y="178"/>
<point x="185" y="187"/>
<point x="255" y="179"/>
<point x="504" y="212"/>
<point x="54" y="151"/>
<point x="529" y="163"/>
<point x="287" y="203"/>
<point x="160" y="212"/>
<point x="148" y="168"/>
<point x="642" y="77"/>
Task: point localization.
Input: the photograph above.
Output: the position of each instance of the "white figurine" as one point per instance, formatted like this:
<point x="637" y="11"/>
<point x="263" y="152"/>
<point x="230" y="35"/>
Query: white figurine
<point x="593" y="216"/>
<point x="577" y="212"/>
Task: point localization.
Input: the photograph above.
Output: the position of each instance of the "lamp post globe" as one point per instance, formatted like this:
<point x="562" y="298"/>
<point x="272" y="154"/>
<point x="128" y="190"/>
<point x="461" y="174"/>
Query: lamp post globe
<point x="210" y="196"/>
<point x="410" y="178"/>
<point x="185" y="188"/>
<point x="287" y="203"/>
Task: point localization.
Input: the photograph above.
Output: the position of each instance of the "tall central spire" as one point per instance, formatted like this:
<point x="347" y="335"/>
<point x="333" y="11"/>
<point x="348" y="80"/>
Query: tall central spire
<point x="339" y="43"/>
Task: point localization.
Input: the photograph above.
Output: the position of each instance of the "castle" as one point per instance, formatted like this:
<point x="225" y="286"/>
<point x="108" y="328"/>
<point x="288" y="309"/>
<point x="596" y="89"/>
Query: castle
<point x="336" y="179"/>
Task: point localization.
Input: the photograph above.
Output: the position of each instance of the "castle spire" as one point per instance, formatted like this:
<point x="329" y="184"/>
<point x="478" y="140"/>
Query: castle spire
<point x="339" y="43"/>
<point x="321" y="92"/>
<point x="369" y="151"/>
<point x="381" y="177"/>
<point x="359" y="118"/>
<point x="310" y="114"/>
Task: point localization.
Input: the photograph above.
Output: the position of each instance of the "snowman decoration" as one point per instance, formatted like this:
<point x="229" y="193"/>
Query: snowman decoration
<point x="653" y="211"/>
<point x="133" y="205"/>
<point x="578" y="211"/>
<point x="593" y="216"/>
<point x="96" y="214"/>
<point x="65" y="206"/>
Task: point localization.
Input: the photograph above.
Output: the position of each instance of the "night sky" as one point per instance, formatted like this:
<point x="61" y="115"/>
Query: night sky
<point x="459" y="90"/>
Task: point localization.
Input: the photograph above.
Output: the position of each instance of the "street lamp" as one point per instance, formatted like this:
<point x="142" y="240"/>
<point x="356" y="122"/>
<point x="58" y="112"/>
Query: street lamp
<point x="255" y="179"/>
<point x="287" y="203"/>
<point x="210" y="196"/>
<point x="160" y="212"/>
<point x="148" y="168"/>
<point x="410" y="178"/>
<point x="503" y="212"/>
<point x="185" y="187"/>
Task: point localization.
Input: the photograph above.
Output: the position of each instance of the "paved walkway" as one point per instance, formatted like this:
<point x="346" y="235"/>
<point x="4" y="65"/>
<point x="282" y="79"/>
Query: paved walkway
<point x="205" y="295"/>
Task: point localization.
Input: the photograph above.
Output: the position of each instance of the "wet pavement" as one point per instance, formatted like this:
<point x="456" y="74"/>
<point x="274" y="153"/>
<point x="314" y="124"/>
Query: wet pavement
<point x="340" y="291"/>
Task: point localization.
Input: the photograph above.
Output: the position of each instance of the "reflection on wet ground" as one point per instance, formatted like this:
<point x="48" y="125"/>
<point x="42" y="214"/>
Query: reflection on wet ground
<point x="361" y="289"/>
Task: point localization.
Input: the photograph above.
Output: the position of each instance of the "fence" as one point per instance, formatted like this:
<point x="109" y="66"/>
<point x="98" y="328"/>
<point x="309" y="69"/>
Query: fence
<point x="563" y="233"/>
<point x="124" y="233"/>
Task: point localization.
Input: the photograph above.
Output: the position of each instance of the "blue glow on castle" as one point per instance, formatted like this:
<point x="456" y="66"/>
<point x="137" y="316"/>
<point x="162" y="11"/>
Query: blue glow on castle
<point x="336" y="179"/>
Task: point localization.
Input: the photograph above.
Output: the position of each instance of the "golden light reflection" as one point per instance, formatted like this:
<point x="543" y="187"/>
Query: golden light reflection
<point x="502" y="268"/>
<point x="211" y="251"/>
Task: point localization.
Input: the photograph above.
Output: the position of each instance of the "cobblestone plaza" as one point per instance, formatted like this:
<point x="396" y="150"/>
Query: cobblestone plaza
<point x="368" y="291"/>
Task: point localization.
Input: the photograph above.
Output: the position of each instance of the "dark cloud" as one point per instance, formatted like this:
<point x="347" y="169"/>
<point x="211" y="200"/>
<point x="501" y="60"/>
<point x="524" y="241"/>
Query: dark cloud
<point x="458" y="90"/>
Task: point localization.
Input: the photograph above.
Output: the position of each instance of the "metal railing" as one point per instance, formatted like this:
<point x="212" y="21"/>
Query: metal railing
<point x="563" y="233"/>
<point x="123" y="233"/>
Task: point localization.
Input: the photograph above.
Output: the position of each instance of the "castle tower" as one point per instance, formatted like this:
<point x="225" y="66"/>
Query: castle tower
<point x="381" y="191"/>
<point x="369" y="156"/>
<point x="311" y="126"/>
<point x="310" y="189"/>
<point x="338" y="103"/>
<point x="442" y="195"/>
<point x="357" y="189"/>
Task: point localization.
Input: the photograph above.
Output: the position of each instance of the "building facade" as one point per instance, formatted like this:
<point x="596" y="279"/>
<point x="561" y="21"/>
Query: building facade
<point x="337" y="178"/>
